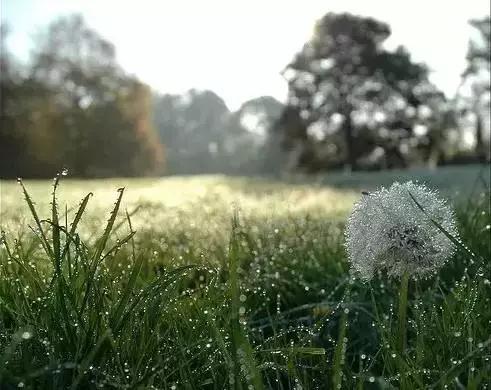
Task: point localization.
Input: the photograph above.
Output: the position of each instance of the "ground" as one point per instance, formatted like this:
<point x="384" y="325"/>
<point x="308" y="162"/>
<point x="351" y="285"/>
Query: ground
<point x="231" y="282"/>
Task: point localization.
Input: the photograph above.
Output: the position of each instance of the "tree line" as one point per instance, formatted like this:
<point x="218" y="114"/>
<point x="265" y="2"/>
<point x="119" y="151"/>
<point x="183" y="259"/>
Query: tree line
<point x="351" y="104"/>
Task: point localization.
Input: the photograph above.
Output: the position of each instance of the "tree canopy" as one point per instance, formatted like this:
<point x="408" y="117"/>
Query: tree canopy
<point x="477" y="79"/>
<point x="203" y="136"/>
<point x="73" y="107"/>
<point x="350" y="100"/>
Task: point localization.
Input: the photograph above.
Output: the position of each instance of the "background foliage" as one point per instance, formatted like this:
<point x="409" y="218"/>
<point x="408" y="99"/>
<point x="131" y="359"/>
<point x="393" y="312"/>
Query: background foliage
<point x="352" y="104"/>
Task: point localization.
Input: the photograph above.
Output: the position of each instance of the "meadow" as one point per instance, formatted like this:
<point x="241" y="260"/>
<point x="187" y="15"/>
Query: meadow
<point x="214" y="282"/>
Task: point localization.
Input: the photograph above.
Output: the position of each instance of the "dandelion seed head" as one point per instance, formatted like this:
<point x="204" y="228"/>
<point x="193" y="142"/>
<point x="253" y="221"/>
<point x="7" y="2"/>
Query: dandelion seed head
<point x="387" y="231"/>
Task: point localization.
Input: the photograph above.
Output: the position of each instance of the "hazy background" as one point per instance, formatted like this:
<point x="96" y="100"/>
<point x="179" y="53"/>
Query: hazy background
<point x="130" y="88"/>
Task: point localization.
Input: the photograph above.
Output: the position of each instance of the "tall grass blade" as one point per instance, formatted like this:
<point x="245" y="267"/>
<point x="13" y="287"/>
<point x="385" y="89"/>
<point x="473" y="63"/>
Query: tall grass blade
<point x="454" y="240"/>
<point x="240" y="343"/>
<point x="339" y="352"/>
<point x="39" y="229"/>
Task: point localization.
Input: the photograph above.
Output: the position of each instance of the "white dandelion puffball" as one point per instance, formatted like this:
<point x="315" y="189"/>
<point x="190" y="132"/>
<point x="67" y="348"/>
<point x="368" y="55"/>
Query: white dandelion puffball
<point x="388" y="231"/>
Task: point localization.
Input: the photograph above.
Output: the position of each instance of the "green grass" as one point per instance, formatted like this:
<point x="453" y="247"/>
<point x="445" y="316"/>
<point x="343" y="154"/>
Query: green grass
<point x="214" y="282"/>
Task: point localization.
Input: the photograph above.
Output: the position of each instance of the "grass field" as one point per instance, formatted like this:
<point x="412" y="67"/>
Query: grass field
<point x="215" y="282"/>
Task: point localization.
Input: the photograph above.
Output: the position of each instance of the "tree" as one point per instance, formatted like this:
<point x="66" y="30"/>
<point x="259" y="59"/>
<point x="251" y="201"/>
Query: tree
<point x="191" y="126"/>
<point x="11" y="143"/>
<point x="25" y="104"/>
<point x="249" y="144"/>
<point x="202" y="136"/>
<point x="348" y="96"/>
<point x="119" y="129"/>
<point x="76" y="62"/>
<point x="477" y="77"/>
<point x="103" y="125"/>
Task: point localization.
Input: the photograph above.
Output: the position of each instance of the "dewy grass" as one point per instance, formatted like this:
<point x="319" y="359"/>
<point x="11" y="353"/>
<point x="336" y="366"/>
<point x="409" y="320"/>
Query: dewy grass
<point x="340" y="350"/>
<point x="242" y="352"/>
<point x="173" y="296"/>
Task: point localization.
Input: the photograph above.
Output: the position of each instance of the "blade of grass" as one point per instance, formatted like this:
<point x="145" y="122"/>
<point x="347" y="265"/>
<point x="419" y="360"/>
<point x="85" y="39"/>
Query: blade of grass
<point x="82" y="369"/>
<point x="39" y="231"/>
<point x="454" y="240"/>
<point x="100" y="245"/>
<point x="339" y="352"/>
<point x="239" y="339"/>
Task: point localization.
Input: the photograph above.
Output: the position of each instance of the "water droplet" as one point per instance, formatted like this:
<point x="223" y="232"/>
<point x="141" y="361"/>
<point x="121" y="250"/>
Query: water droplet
<point x="26" y="335"/>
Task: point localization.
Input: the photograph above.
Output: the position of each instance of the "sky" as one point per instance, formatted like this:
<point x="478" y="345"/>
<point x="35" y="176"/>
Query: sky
<point x="237" y="48"/>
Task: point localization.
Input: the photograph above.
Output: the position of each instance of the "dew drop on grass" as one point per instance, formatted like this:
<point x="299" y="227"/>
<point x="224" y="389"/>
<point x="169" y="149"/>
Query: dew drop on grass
<point x="26" y="335"/>
<point x="371" y="379"/>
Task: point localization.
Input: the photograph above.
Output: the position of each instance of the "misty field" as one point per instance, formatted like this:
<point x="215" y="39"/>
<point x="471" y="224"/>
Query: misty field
<point x="213" y="282"/>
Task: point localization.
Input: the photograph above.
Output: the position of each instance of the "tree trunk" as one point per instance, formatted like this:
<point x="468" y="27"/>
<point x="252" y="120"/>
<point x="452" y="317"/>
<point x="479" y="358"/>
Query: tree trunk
<point x="480" y="147"/>
<point x="350" y="162"/>
<point x="434" y="146"/>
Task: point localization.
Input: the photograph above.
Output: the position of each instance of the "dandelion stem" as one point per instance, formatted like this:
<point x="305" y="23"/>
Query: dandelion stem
<point x="401" y="336"/>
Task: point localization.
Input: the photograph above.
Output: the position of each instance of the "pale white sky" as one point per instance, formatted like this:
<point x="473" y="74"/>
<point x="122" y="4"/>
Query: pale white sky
<point x="237" y="48"/>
